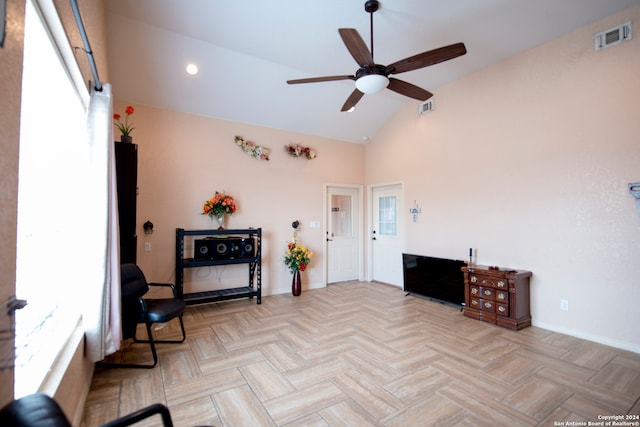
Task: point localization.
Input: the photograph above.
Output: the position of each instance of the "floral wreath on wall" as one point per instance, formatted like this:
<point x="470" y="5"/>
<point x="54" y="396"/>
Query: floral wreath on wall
<point x="253" y="149"/>
<point x="297" y="150"/>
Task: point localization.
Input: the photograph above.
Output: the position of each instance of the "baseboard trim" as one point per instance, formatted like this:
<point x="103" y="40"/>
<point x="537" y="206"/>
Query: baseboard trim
<point x="623" y="345"/>
<point x="284" y="290"/>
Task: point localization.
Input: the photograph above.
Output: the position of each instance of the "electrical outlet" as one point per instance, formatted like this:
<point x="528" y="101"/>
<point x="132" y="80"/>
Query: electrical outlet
<point x="564" y="305"/>
<point x="147" y="247"/>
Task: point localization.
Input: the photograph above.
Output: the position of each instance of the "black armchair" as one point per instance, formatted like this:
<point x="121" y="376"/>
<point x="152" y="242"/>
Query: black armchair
<point x="40" y="410"/>
<point x="136" y="309"/>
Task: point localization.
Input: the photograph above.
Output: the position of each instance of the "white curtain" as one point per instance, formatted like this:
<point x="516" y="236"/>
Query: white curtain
<point x="101" y="308"/>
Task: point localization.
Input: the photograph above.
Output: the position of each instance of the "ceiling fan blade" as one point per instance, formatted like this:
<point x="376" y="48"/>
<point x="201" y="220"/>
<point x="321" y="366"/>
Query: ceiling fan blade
<point x="320" y="79"/>
<point x="356" y="46"/>
<point x="353" y="99"/>
<point x="425" y="59"/>
<point x="408" y="89"/>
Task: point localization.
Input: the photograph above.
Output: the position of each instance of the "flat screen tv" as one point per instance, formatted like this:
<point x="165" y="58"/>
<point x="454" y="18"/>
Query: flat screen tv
<point x="436" y="278"/>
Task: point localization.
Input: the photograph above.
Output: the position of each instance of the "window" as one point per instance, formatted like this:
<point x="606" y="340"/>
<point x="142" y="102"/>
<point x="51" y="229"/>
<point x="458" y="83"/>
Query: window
<point x="52" y="221"/>
<point x="341" y="216"/>
<point x="387" y="214"/>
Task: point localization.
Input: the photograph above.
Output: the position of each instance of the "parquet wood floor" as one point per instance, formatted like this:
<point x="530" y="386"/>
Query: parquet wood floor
<point x="364" y="354"/>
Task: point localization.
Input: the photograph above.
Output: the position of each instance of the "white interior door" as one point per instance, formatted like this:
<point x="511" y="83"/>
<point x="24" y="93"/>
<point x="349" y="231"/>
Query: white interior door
<point x="343" y="234"/>
<point x="386" y="234"/>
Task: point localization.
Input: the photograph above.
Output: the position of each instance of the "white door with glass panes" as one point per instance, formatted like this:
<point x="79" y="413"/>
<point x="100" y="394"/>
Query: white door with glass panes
<point x="386" y="234"/>
<point x="343" y="234"/>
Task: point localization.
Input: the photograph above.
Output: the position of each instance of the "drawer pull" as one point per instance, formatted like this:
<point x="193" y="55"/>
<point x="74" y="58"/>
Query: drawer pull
<point x="501" y="284"/>
<point x="487" y="305"/>
<point x="474" y="302"/>
<point x="501" y="296"/>
<point x="474" y="279"/>
<point x="487" y="292"/>
<point x="501" y="309"/>
<point x="474" y="291"/>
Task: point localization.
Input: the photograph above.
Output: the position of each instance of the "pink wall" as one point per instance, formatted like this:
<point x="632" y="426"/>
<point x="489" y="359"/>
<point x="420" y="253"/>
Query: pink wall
<point x="184" y="159"/>
<point x="528" y="162"/>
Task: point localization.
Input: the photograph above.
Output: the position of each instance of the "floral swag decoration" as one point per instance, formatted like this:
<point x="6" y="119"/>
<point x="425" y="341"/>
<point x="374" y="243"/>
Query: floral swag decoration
<point x="297" y="150"/>
<point x="124" y="126"/>
<point x="252" y="149"/>
<point x="297" y="256"/>
<point x="219" y="205"/>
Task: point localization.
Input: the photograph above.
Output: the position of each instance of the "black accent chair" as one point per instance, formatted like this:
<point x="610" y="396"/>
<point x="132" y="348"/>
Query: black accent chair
<point x="136" y="309"/>
<point x="40" y="410"/>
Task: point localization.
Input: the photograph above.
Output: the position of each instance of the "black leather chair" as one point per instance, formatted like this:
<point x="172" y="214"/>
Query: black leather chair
<point x="40" y="410"/>
<point x="136" y="309"/>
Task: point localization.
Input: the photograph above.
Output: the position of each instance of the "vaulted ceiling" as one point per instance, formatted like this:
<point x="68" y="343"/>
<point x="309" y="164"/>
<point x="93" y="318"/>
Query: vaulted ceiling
<point x="246" y="50"/>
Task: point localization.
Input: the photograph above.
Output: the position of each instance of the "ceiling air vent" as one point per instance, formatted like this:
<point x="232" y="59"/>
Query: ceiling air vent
<point x="613" y="36"/>
<point x="425" y="107"/>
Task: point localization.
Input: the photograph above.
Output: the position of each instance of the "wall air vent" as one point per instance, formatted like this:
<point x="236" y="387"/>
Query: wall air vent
<point x="425" y="107"/>
<point x="613" y="36"/>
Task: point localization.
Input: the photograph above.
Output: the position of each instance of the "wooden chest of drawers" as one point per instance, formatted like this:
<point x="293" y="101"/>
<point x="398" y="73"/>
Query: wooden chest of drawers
<point x="497" y="296"/>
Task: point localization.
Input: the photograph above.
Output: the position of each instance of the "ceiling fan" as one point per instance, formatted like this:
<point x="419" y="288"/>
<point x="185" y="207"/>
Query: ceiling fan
<point x="371" y="77"/>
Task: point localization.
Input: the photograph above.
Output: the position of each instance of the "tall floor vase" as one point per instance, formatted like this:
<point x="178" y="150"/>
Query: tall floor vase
<point x="296" y="284"/>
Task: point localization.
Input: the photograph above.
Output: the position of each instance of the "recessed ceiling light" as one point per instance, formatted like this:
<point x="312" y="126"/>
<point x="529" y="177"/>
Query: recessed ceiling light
<point x="192" y="69"/>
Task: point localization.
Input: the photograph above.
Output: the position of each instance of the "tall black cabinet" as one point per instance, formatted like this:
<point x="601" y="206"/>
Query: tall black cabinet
<point x="127" y="179"/>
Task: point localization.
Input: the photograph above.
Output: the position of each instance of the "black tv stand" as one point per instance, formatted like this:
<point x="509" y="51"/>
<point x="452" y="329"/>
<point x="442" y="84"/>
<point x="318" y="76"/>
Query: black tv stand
<point x="254" y="286"/>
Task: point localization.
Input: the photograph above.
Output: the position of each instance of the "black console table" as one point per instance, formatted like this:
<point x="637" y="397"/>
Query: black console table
<point x="253" y="260"/>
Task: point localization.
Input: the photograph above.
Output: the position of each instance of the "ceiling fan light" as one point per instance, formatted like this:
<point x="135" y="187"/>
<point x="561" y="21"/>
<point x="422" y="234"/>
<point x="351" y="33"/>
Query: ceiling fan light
<point x="372" y="83"/>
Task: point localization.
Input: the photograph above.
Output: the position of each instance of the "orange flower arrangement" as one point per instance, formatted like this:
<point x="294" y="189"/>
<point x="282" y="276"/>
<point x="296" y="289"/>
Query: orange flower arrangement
<point x="219" y="205"/>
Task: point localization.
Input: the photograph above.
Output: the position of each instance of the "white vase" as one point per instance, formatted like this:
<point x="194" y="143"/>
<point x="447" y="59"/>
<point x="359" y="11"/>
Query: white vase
<point x="220" y="219"/>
